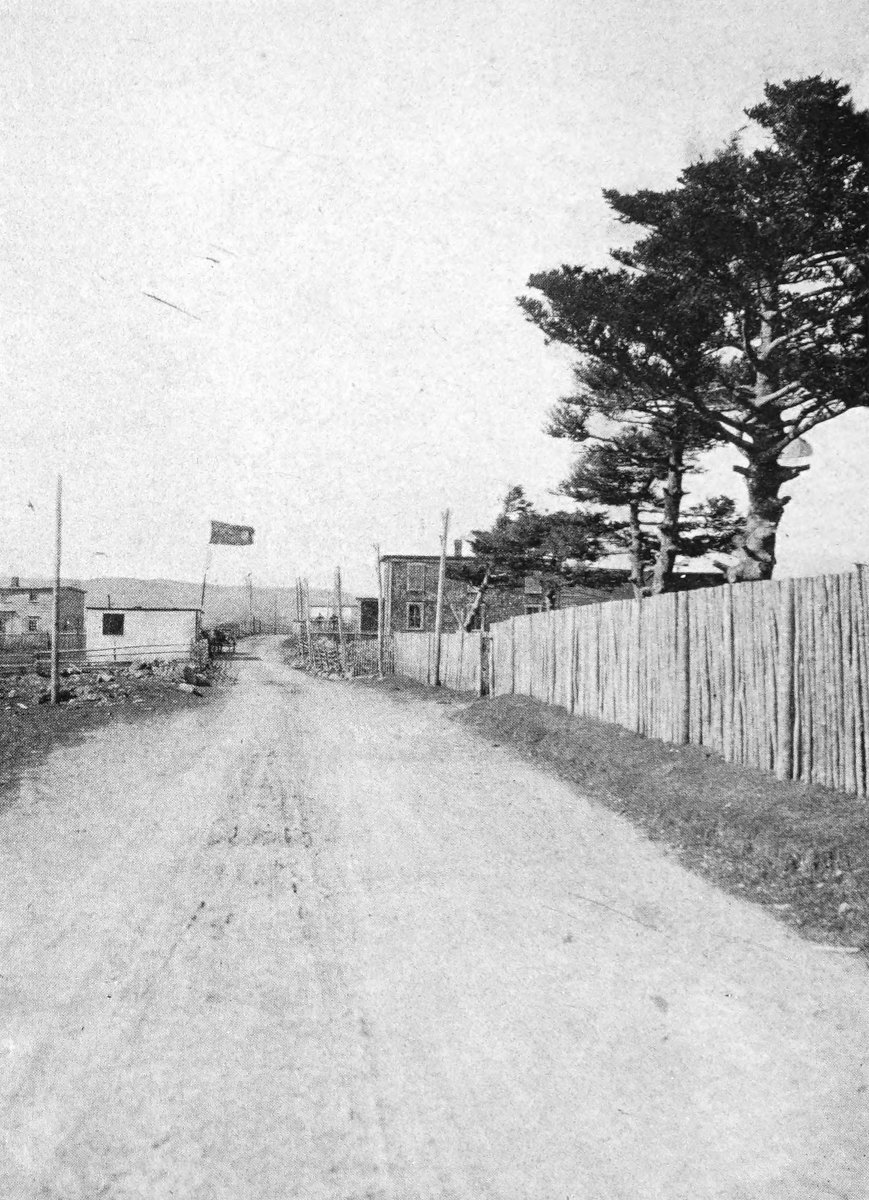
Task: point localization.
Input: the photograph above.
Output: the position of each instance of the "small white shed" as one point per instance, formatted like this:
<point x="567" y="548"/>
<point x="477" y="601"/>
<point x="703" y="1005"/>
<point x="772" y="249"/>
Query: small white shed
<point x="141" y="632"/>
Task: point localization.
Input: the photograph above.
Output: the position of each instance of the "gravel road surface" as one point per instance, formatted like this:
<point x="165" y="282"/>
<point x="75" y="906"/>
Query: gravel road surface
<point x="314" y="943"/>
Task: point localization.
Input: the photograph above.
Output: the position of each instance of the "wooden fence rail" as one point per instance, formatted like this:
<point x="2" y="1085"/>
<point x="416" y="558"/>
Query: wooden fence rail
<point x="773" y="675"/>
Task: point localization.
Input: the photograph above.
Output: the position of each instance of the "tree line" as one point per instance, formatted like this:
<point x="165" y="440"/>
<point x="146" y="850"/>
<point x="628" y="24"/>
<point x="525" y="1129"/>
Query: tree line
<point x="738" y="315"/>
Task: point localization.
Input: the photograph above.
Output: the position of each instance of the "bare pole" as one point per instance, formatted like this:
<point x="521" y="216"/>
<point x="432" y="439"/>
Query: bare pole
<point x="55" y="608"/>
<point x="439" y="608"/>
<point x="339" y="609"/>
<point x="380" y="613"/>
<point x="205" y="576"/>
<point x="307" y="615"/>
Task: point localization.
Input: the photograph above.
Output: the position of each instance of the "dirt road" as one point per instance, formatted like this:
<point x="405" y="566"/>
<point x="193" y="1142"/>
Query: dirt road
<point x="315" y="943"/>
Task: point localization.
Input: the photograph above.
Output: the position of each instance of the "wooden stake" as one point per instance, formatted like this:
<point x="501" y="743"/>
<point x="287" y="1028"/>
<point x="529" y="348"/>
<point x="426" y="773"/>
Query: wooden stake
<point x="785" y="683"/>
<point x="683" y="676"/>
<point x="55" y="608"/>
<point x="439" y="607"/>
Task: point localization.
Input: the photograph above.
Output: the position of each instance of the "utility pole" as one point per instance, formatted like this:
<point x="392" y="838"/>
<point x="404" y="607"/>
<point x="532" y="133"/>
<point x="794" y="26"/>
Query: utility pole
<point x="339" y="609"/>
<point x="250" y="599"/>
<point x="306" y="592"/>
<point x="439" y="609"/>
<point x="55" y="608"/>
<point x="380" y="613"/>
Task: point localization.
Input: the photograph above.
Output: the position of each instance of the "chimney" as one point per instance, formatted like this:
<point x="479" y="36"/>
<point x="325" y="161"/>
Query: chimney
<point x="457" y="548"/>
<point x="15" y="581"/>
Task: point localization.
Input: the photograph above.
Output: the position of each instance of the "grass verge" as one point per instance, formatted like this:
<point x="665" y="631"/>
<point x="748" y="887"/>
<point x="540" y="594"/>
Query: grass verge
<point x="803" y="852"/>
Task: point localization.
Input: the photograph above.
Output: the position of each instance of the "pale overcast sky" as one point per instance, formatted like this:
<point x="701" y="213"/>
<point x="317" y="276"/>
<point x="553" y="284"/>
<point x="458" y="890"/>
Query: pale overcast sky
<point x="345" y="199"/>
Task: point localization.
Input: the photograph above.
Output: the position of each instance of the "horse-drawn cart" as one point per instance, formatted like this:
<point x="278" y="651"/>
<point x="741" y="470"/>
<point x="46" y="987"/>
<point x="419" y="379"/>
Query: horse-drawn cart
<point x="221" y="642"/>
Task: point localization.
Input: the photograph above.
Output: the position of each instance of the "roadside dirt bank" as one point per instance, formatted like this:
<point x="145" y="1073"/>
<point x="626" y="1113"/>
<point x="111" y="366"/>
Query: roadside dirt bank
<point x="30" y="730"/>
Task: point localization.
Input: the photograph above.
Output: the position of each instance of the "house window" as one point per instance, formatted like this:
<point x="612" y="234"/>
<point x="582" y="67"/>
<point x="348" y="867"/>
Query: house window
<point x="33" y="624"/>
<point x="533" y="608"/>
<point x="414" y="616"/>
<point x="113" y="624"/>
<point x="33" y="597"/>
<point x="416" y="577"/>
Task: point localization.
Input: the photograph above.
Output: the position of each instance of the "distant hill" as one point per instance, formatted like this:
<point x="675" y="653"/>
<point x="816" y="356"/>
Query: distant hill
<point x="222" y="603"/>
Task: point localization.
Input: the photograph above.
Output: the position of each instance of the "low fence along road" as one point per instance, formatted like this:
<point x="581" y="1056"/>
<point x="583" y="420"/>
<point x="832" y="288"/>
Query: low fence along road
<point x="772" y="675"/>
<point x="460" y="666"/>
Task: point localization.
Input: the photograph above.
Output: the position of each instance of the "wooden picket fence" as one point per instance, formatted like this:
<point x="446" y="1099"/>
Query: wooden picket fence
<point x="414" y="655"/>
<point x="322" y="653"/>
<point x="773" y="675"/>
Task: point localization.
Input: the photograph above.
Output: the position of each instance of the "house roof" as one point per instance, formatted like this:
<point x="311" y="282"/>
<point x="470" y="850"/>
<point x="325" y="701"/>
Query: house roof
<point x="572" y="596"/>
<point x="40" y="585"/>
<point x="425" y="558"/>
<point x="223" y="603"/>
<point x="136" y="608"/>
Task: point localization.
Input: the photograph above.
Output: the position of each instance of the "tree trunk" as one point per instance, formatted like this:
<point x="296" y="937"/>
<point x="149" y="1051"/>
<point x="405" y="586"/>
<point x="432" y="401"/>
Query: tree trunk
<point x="668" y="530"/>
<point x="756" y="555"/>
<point x="477" y="604"/>
<point x="635" y="549"/>
<point x="764" y="475"/>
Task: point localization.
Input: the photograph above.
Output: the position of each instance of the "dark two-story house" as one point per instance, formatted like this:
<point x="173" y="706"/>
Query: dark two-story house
<point x="410" y="594"/>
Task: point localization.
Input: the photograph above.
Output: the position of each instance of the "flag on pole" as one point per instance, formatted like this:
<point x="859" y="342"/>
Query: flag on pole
<point x="230" y="535"/>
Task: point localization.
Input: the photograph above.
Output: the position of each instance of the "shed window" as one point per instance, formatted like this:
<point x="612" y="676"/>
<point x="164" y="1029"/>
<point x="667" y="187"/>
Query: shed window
<point x="113" y="624"/>
<point x="416" y="577"/>
<point x="414" y="616"/>
<point x="32" y="624"/>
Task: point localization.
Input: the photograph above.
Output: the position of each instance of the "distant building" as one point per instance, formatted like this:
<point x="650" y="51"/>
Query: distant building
<point x="26" y="611"/>
<point x="141" y="632"/>
<point x="369" y="607"/>
<point x="410" y="594"/>
<point x="321" y="610"/>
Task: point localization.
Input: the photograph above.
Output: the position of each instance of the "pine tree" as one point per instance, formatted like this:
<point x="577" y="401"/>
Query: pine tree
<point x="764" y="257"/>
<point x="523" y="542"/>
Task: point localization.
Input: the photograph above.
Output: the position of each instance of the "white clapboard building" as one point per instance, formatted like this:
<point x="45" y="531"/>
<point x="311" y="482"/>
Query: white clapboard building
<point x="119" y="631"/>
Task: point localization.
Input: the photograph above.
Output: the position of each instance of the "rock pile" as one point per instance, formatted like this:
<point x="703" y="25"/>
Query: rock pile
<point x="106" y="684"/>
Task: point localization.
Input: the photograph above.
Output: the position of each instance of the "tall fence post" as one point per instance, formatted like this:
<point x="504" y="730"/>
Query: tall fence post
<point x="785" y="666"/>
<point x="683" y="671"/>
<point x="512" y="691"/>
